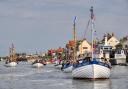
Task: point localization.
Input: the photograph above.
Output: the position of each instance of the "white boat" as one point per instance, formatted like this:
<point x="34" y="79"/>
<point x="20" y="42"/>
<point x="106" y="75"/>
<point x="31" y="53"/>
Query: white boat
<point x="68" y="68"/>
<point x="37" y="65"/>
<point x="11" y="61"/>
<point x="120" y="57"/>
<point x="11" y="64"/>
<point x="58" y="64"/>
<point x="92" y="68"/>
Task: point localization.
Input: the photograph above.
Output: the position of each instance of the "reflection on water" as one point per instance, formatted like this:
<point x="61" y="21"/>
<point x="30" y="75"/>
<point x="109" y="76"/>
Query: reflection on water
<point x="102" y="84"/>
<point x="92" y="84"/>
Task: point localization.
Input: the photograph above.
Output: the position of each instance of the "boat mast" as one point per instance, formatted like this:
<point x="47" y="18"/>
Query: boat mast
<point x="13" y="53"/>
<point x="10" y="54"/>
<point x="74" y="38"/>
<point x="92" y="27"/>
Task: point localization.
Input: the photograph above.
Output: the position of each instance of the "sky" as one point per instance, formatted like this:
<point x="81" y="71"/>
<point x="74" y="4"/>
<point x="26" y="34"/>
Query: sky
<point x="39" y="25"/>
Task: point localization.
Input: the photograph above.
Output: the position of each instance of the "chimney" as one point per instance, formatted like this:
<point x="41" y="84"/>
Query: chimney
<point x="106" y="40"/>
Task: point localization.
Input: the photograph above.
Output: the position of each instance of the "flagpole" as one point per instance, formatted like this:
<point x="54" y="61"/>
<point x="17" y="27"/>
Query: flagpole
<point x="74" y="38"/>
<point x="92" y="28"/>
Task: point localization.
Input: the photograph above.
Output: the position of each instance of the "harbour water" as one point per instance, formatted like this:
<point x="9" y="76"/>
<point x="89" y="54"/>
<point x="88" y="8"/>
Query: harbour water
<point x="25" y="77"/>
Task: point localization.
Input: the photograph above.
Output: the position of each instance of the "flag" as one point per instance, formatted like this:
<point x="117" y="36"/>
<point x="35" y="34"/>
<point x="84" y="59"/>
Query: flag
<point x="92" y="14"/>
<point x="74" y="20"/>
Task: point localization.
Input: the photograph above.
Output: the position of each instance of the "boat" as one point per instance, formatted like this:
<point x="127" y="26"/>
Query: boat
<point x="67" y="66"/>
<point x="91" y="68"/>
<point x="58" y="64"/>
<point x="11" y="60"/>
<point x="11" y="64"/>
<point x="38" y="63"/>
<point x="120" y="56"/>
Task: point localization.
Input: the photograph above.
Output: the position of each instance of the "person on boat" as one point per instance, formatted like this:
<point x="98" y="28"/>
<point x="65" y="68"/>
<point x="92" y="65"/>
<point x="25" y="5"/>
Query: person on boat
<point x="63" y="63"/>
<point x="7" y="61"/>
<point x="107" y="62"/>
<point x="76" y="63"/>
<point x="71" y="61"/>
<point x="60" y="61"/>
<point x="56" y="62"/>
<point x="102" y="59"/>
<point x="44" y="62"/>
<point x="68" y="63"/>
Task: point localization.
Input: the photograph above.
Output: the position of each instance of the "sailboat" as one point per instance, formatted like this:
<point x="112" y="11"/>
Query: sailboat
<point x="68" y="66"/>
<point x="11" y="60"/>
<point x="91" y="68"/>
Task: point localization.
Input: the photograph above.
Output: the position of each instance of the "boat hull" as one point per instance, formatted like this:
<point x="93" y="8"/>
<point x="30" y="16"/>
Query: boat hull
<point x="68" y="69"/>
<point x="11" y="64"/>
<point x="92" y="71"/>
<point x="37" y="65"/>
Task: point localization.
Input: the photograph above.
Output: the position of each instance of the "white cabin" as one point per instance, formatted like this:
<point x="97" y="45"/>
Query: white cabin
<point x="120" y="56"/>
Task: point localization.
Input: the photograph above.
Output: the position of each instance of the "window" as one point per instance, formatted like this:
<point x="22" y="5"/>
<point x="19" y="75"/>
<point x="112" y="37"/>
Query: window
<point x="126" y="46"/>
<point x="105" y="48"/>
<point x="85" y="47"/>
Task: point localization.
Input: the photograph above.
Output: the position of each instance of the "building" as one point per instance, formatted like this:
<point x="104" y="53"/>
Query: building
<point x="83" y="47"/>
<point x="112" y="41"/>
<point x="104" y="49"/>
<point x="124" y="42"/>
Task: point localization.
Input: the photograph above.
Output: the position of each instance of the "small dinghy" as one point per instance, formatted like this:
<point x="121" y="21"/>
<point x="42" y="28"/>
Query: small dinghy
<point x="58" y="64"/>
<point x="11" y="64"/>
<point x="37" y="65"/>
<point x="67" y="66"/>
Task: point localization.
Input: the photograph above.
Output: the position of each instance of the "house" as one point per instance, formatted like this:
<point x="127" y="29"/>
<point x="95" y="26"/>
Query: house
<point x="124" y="42"/>
<point x="83" y="47"/>
<point x="113" y="41"/>
<point x="112" y="49"/>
